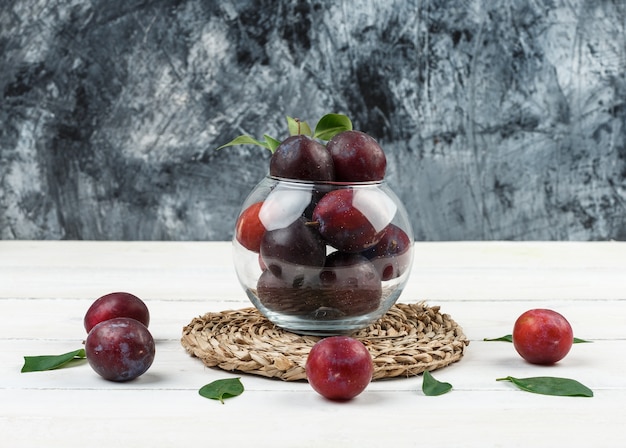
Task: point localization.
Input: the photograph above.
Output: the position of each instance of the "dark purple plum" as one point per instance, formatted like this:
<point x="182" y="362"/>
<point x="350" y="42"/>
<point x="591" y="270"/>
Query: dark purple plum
<point x="120" y="349"/>
<point x="357" y="157"/>
<point x="116" y="304"/>
<point x="289" y="298"/>
<point x="349" y="221"/>
<point x="349" y="284"/>
<point x="293" y="253"/>
<point x="392" y="254"/>
<point x="300" y="157"/>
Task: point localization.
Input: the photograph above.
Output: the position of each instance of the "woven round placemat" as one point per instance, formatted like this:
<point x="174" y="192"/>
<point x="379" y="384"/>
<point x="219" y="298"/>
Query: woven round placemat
<point x="406" y="341"/>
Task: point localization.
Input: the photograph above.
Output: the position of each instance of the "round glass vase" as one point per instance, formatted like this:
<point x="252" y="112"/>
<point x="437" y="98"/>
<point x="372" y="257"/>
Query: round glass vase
<point x="322" y="258"/>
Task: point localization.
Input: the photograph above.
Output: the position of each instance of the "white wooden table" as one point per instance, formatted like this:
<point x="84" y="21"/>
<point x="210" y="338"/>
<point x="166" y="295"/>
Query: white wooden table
<point x="46" y="287"/>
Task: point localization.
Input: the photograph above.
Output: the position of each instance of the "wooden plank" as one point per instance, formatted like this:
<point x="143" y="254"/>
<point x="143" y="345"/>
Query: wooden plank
<point x="303" y="419"/>
<point x="63" y="319"/>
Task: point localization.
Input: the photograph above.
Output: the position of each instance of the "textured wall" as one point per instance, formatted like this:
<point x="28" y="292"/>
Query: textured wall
<point x="501" y="120"/>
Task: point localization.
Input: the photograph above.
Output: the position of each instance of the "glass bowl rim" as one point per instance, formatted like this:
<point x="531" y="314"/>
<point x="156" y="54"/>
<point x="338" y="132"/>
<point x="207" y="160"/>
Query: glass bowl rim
<point x="332" y="183"/>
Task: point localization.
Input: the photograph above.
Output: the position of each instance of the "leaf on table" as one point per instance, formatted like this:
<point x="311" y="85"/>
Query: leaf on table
<point x="222" y="389"/>
<point x="431" y="387"/>
<point x="509" y="338"/>
<point x="505" y="338"/>
<point x="550" y="385"/>
<point x="50" y="362"/>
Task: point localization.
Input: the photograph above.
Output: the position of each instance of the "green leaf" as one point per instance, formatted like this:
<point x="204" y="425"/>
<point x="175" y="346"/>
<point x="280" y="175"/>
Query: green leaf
<point x="222" y="389"/>
<point x="297" y="127"/>
<point x="506" y="338"/>
<point x="431" y="387"/>
<point x="271" y="143"/>
<point x="509" y="338"/>
<point x="50" y="362"/>
<point x="331" y="124"/>
<point x="247" y="140"/>
<point x="549" y="385"/>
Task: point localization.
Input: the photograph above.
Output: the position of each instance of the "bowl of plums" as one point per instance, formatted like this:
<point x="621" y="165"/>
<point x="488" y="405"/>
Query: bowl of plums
<point x="322" y="245"/>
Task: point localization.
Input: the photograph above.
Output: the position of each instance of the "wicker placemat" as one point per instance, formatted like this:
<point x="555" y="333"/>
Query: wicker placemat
<point x="406" y="341"/>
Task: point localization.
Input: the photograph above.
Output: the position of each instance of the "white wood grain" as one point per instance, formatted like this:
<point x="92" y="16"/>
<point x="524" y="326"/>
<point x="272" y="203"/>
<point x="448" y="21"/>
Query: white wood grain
<point x="46" y="287"/>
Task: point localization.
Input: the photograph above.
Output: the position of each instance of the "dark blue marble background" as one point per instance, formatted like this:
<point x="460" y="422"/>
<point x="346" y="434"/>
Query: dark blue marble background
<point x="501" y="120"/>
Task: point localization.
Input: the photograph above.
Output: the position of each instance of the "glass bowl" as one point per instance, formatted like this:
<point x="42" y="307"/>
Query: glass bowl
<point x="322" y="258"/>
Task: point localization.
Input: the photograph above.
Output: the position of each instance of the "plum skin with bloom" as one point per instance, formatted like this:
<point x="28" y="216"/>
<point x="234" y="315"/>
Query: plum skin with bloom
<point x="357" y="157"/>
<point x="339" y="367"/>
<point x="120" y="349"/>
<point x="542" y="336"/>
<point x="116" y="304"/>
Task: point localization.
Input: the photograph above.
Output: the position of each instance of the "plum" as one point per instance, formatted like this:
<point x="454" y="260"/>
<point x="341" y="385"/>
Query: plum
<point x="392" y="254"/>
<point x="353" y="220"/>
<point x="357" y="157"/>
<point x="289" y="298"/>
<point x="120" y="349"/>
<point x="349" y="285"/>
<point x="116" y="304"/>
<point x="293" y="252"/>
<point x="300" y="157"/>
<point x="542" y="336"/>
<point x="249" y="229"/>
<point x="339" y="367"/>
